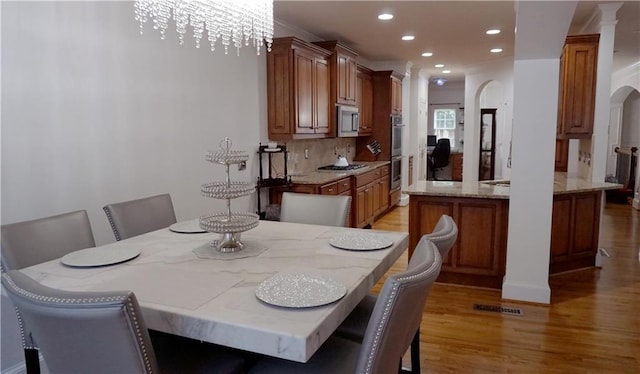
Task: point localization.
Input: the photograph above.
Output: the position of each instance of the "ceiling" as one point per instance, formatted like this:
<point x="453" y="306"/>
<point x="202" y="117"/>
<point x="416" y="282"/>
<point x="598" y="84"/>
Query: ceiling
<point x="454" y="31"/>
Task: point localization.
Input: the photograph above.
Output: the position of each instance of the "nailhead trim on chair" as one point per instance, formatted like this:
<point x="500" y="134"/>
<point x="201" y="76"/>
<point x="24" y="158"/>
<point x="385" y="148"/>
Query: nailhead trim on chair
<point x="134" y="317"/>
<point x="113" y="225"/>
<point x="385" y="316"/>
<point x="129" y="310"/>
<point x="22" y="334"/>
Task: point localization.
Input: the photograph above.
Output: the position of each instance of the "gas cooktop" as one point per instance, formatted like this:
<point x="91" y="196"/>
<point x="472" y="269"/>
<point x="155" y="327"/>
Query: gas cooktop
<point x="342" y="168"/>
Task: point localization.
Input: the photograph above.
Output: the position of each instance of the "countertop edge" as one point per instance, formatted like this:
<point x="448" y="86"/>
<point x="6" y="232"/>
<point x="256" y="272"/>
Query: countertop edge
<point x="484" y="190"/>
<point x="317" y="177"/>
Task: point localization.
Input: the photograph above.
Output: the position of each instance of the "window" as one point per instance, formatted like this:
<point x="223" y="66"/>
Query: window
<point x="444" y="124"/>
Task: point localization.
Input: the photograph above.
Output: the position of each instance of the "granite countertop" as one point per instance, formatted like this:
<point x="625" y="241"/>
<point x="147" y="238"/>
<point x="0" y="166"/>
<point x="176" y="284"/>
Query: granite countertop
<point x="500" y="189"/>
<point x="324" y="177"/>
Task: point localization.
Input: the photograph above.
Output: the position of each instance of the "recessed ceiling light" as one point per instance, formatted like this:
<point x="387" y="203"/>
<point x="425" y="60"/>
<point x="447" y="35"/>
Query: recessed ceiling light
<point x="493" y="32"/>
<point x="496" y="50"/>
<point x="427" y="54"/>
<point x="385" y="16"/>
<point x="408" y="37"/>
<point x="439" y="65"/>
<point x="446" y="71"/>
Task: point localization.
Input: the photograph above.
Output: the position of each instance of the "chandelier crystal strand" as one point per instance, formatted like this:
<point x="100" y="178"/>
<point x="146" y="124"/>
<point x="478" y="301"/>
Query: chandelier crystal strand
<point x="231" y="22"/>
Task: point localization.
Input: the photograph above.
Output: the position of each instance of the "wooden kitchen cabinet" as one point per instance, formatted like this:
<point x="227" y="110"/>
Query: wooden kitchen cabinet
<point x="364" y="100"/>
<point x="562" y="154"/>
<point x="341" y="187"/>
<point x="387" y="99"/>
<point x="383" y="191"/>
<point x="343" y="67"/>
<point x="298" y="91"/>
<point x="396" y="95"/>
<point x="574" y="231"/>
<point x="578" y="68"/>
<point x="478" y="257"/>
<point x="372" y="195"/>
<point x="456" y="166"/>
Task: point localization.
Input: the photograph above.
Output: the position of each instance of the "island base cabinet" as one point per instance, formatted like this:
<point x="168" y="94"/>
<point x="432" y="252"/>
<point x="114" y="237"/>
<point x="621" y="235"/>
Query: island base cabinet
<point x="478" y="257"/>
<point x="574" y="231"/>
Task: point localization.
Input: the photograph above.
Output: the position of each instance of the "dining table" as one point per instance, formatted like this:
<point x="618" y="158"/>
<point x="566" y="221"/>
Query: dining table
<point x="248" y="300"/>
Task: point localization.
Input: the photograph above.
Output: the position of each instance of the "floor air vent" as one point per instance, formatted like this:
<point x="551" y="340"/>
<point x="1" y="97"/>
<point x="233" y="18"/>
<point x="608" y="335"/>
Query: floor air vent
<point x="498" y="309"/>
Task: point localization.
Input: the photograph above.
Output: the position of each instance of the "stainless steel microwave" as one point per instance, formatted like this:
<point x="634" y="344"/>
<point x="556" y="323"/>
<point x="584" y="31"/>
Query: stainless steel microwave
<point x="347" y="121"/>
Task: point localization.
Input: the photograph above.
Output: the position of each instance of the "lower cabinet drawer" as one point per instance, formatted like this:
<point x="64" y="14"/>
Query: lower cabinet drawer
<point x="329" y="189"/>
<point x="344" y="185"/>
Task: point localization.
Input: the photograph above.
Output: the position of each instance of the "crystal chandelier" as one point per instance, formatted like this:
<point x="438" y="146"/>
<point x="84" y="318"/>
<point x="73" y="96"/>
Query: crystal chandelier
<point x="231" y="21"/>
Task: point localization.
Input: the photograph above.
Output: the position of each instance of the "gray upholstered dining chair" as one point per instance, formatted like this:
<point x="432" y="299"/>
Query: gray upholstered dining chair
<point x="444" y="236"/>
<point x="137" y="217"/>
<point x="329" y="210"/>
<point x="32" y="242"/>
<point x="395" y="318"/>
<point x="104" y="332"/>
<point x="40" y="240"/>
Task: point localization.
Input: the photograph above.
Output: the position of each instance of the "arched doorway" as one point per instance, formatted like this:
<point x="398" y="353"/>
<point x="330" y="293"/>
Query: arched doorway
<point x="624" y="132"/>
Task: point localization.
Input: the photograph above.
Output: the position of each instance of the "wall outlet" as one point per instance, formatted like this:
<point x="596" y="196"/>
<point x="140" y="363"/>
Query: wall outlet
<point x="306" y="153"/>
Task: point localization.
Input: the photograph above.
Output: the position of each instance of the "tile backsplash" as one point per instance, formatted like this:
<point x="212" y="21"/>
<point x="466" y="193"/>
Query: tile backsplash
<point x="584" y="159"/>
<point x="320" y="152"/>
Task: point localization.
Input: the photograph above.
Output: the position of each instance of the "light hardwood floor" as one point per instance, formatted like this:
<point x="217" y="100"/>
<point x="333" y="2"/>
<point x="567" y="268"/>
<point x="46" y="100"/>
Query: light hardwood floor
<point x="591" y="326"/>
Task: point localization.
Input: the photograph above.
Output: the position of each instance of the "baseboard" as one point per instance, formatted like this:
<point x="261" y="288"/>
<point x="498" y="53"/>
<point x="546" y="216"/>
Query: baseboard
<point x="526" y="292"/>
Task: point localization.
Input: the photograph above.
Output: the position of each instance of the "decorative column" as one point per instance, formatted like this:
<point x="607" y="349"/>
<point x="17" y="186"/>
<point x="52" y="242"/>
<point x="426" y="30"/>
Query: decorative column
<point x="541" y="30"/>
<point x="600" y="138"/>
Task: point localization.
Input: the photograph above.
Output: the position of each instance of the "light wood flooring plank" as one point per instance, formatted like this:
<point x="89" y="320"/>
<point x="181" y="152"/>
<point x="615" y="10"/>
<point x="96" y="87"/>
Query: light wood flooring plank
<point x="591" y="326"/>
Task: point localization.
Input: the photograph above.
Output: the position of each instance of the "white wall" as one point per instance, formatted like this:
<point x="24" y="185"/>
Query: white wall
<point x="621" y="82"/>
<point x="631" y="121"/>
<point x="481" y="76"/>
<point x="94" y="113"/>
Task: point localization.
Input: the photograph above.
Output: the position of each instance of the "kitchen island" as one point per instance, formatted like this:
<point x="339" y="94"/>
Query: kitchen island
<point x="481" y="211"/>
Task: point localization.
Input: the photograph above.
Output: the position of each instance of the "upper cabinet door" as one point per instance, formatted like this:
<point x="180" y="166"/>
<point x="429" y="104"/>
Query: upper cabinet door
<point x="322" y="123"/>
<point x="364" y="101"/>
<point x="577" y="86"/>
<point x="304" y="93"/>
<point x="396" y="95"/>
<point x="298" y="89"/>
<point x="343" y="66"/>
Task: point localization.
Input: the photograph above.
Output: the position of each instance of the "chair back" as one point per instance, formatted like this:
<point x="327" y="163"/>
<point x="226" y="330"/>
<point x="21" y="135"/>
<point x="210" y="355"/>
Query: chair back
<point x="398" y="312"/>
<point x="32" y="242"/>
<point x="326" y="210"/>
<point x="444" y="236"/>
<point x="137" y="217"/>
<point x="83" y="332"/>
<point x="441" y="152"/>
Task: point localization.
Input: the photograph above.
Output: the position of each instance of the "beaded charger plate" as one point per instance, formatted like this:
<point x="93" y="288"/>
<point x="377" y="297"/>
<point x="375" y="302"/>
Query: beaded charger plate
<point x="360" y="242"/>
<point x="300" y="290"/>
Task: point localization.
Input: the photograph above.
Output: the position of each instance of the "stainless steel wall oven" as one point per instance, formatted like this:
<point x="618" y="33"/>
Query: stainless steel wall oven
<point x="396" y="172"/>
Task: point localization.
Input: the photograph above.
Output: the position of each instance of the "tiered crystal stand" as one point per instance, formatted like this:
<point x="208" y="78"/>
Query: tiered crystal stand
<point x="229" y="224"/>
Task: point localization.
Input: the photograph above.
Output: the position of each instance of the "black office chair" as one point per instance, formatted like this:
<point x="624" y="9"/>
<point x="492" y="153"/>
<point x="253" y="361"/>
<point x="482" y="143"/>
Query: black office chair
<point x="439" y="157"/>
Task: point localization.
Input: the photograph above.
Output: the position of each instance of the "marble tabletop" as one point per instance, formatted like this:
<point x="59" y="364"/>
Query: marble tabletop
<point x="214" y="300"/>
